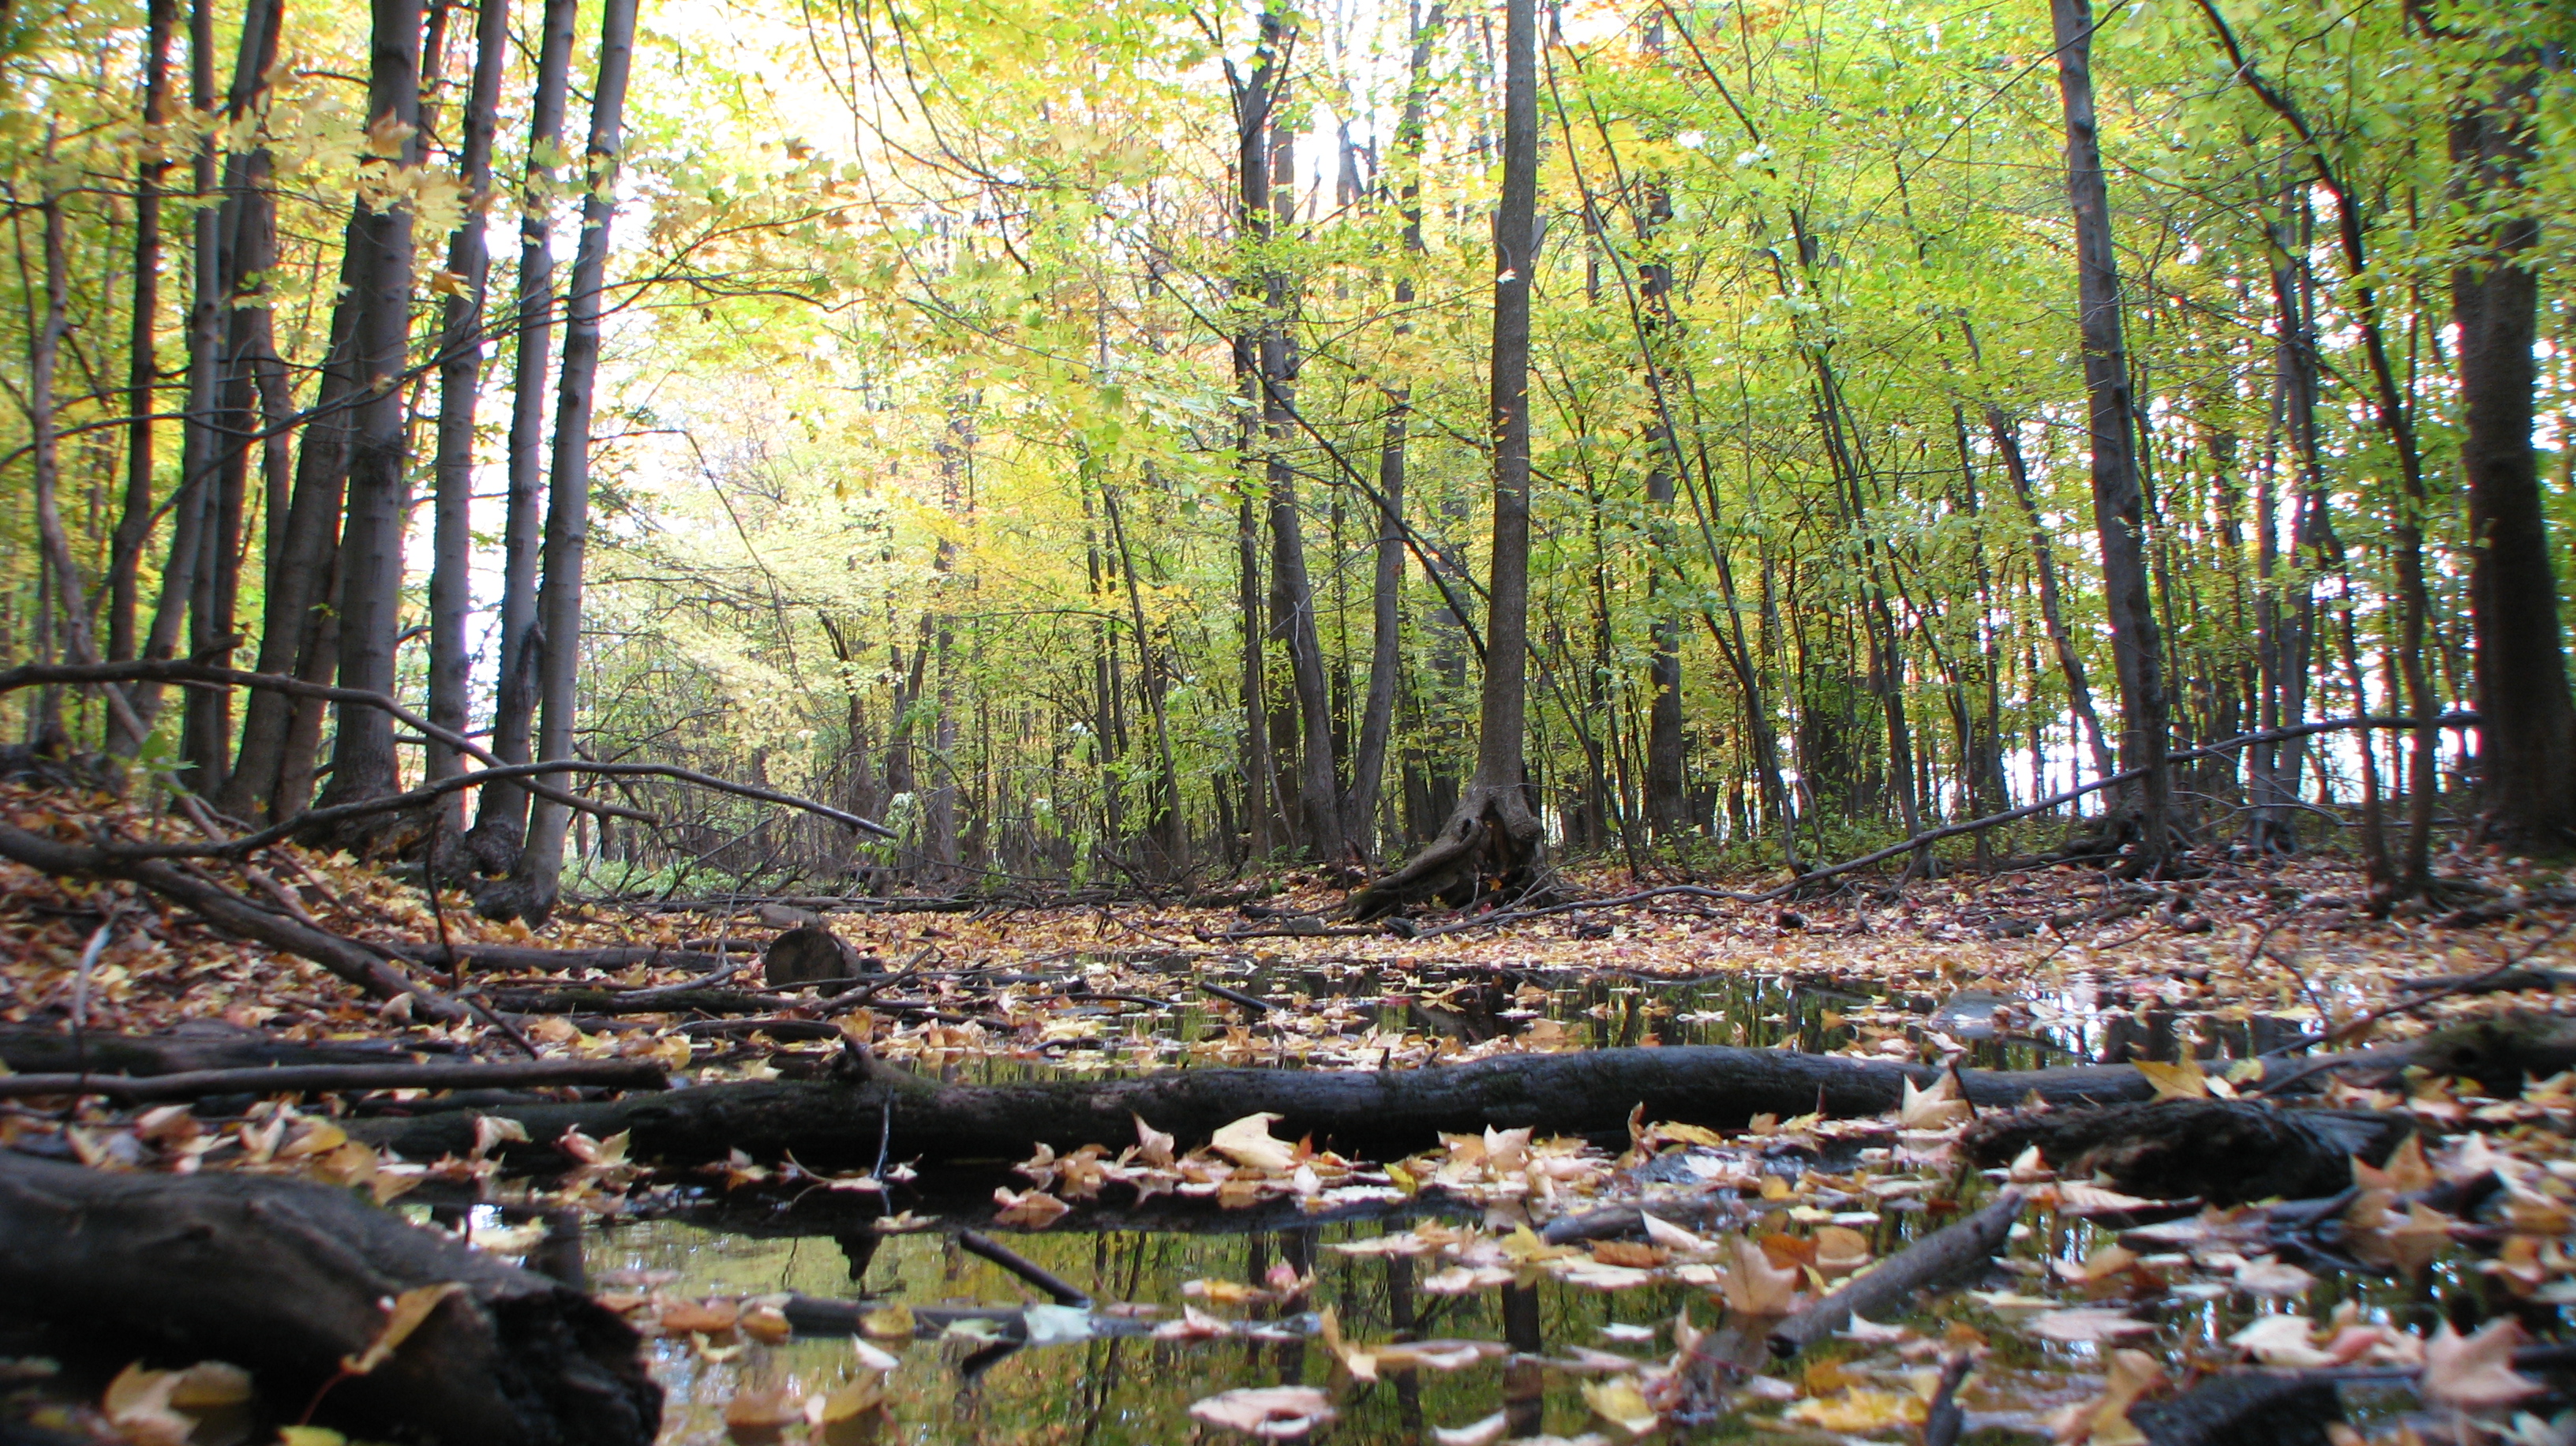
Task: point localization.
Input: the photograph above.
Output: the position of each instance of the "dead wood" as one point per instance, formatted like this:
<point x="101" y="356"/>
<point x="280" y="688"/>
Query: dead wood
<point x="523" y="959"/>
<point x="2225" y="1151"/>
<point x="197" y="1044"/>
<point x="1942" y="1256"/>
<point x="1377" y="1114"/>
<point x="231" y="913"/>
<point x="2512" y="981"/>
<point x="2246" y="1410"/>
<point x="286" y="1278"/>
<point x="328" y="1078"/>
<point x="1058" y="1289"/>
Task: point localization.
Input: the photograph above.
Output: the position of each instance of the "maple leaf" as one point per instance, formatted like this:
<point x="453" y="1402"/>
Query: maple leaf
<point x="2179" y="1081"/>
<point x="2104" y="1420"/>
<point x="1937" y="1108"/>
<point x="2475" y="1373"/>
<point x="1754" y="1286"/>
<point x="1248" y="1142"/>
<point x="1028" y="1209"/>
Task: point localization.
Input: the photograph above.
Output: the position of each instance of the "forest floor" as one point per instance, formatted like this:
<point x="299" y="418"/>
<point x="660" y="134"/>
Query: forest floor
<point x="1487" y="1284"/>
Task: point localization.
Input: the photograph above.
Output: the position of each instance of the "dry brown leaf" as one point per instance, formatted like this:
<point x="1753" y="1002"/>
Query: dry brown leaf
<point x="405" y="1314"/>
<point x="1273" y="1413"/>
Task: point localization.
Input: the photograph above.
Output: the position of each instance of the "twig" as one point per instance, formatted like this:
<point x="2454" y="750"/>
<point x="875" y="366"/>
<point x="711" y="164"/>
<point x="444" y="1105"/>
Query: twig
<point x="2350" y="1028"/>
<point x="1934" y="1258"/>
<point x="1252" y="1002"/>
<point x="976" y="1242"/>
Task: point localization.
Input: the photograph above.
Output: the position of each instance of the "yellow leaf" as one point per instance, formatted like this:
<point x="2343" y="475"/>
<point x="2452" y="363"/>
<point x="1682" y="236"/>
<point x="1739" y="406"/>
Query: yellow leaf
<point x="409" y="1310"/>
<point x="1618" y="1401"/>
<point x="2405" y="1173"/>
<point x="2183" y="1081"/>
<point x="894" y="1323"/>
<point x="1247" y="1142"/>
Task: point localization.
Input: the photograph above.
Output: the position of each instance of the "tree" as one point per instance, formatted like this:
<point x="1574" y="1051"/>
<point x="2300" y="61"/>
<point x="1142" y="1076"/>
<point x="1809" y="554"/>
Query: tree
<point x="379" y="490"/>
<point x="568" y="499"/>
<point x="1492" y="842"/>
<point x="2119" y="508"/>
<point x="2528" y="725"/>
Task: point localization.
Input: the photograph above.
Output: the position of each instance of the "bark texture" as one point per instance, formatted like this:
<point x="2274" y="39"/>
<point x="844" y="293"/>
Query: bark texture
<point x="285" y="1278"/>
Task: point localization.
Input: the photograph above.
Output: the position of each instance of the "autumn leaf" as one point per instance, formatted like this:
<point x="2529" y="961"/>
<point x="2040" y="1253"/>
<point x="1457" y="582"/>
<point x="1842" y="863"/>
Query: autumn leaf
<point x="2475" y="1373"/>
<point x="1247" y="1142"/>
<point x="1937" y="1108"/>
<point x="1754" y="1286"/>
<point x="1028" y="1209"/>
<point x="405" y="1314"/>
<point x="1273" y="1413"/>
<point x="1152" y="1145"/>
<point x="2182" y="1080"/>
<point x="2104" y="1420"/>
<point x="1619" y="1401"/>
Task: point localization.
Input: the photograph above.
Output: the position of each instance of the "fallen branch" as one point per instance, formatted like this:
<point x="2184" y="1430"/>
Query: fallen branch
<point x="233" y="914"/>
<point x="29" y="1049"/>
<point x="329" y="1078"/>
<point x="976" y="1242"/>
<point x="290" y="1279"/>
<point x="1943" y="1255"/>
<point x="522" y="959"/>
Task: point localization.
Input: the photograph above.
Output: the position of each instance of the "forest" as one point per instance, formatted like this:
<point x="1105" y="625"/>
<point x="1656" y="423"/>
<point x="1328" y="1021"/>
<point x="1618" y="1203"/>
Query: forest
<point x="1753" y="654"/>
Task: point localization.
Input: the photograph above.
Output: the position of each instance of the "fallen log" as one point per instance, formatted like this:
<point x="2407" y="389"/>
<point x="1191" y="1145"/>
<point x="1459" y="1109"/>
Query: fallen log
<point x="1371" y="1113"/>
<point x="2511" y="981"/>
<point x="287" y="1279"/>
<point x="1943" y="1255"/>
<point x="2247" y="1410"/>
<point x="328" y="1078"/>
<point x="2225" y="1151"/>
<point x="196" y="1044"/>
<point x="521" y="958"/>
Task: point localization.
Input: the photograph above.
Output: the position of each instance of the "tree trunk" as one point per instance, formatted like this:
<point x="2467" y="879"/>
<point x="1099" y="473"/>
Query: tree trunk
<point x="500" y="821"/>
<point x="1492" y="844"/>
<point x="568" y="502"/>
<point x="190" y="509"/>
<point x="460" y="381"/>
<point x="143" y="369"/>
<point x="2528" y="728"/>
<point x="1386" y="592"/>
<point x="363" y="765"/>
<point x="1254" y="102"/>
<point x="2119" y="509"/>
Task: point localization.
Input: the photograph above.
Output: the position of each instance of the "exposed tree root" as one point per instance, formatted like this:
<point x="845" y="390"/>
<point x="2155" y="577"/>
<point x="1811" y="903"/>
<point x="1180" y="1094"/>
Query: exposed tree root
<point x="1488" y="851"/>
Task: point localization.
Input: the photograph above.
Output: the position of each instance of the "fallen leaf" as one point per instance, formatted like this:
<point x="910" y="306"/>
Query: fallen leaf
<point x="1754" y="1286"/>
<point x="1247" y="1142"/>
<point x="2089" y="1325"/>
<point x="1618" y="1401"/>
<point x="1474" y="1433"/>
<point x="2179" y="1081"/>
<point x="2474" y="1373"/>
<point x="405" y="1313"/>
<point x="2104" y="1420"/>
<point x="1028" y="1209"/>
<point x="1937" y="1108"/>
<point x="2281" y="1340"/>
<point x="1274" y="1413"/>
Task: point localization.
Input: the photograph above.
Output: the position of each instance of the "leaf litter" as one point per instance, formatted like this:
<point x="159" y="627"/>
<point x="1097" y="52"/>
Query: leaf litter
<point x="2441" y="1262"/>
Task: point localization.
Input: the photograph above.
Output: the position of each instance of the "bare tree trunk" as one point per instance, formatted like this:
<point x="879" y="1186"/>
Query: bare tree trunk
<point x="143" y="369"/>
<point x="1493" y="842"/>
<point x="363" y="765"/>
<point x="1173" y="825"/>
<point x="568" y="503"/>
<point x="191" y="507"/>
<point x="460" y="381"/>
<point x="2119" y="510"/>
<point x="1254" y="101"/>
<point x="2528" y="728"/>
<point x="500" y="821"/>
<point x="1386" y="596"/>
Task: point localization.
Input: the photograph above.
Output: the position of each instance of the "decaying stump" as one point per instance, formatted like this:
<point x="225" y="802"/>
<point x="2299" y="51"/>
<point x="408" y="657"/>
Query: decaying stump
<point x="287" y="1278"/>
<point x="809" y="953"/>
<point x="2226" y="1151"/>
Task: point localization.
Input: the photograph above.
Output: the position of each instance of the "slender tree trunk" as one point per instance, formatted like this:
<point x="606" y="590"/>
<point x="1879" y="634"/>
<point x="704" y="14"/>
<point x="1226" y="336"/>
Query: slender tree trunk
<point x="2529" y="728"/>
<point x="1254" y="102"/>
<point x="568" y="503"/>
<point x="2119" y="509"/>
<point x="143" y="369"/>
<point x="1492" y="842"/>
<point x="1386" y="595"/>
<point x="500" y="822"/>
<point x="191" y="508"/>
<point x="1171" y="822"/>
<point x="1667" y="803"/>
<point x="363" y="765"/>
<point x="460" y="381"/>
